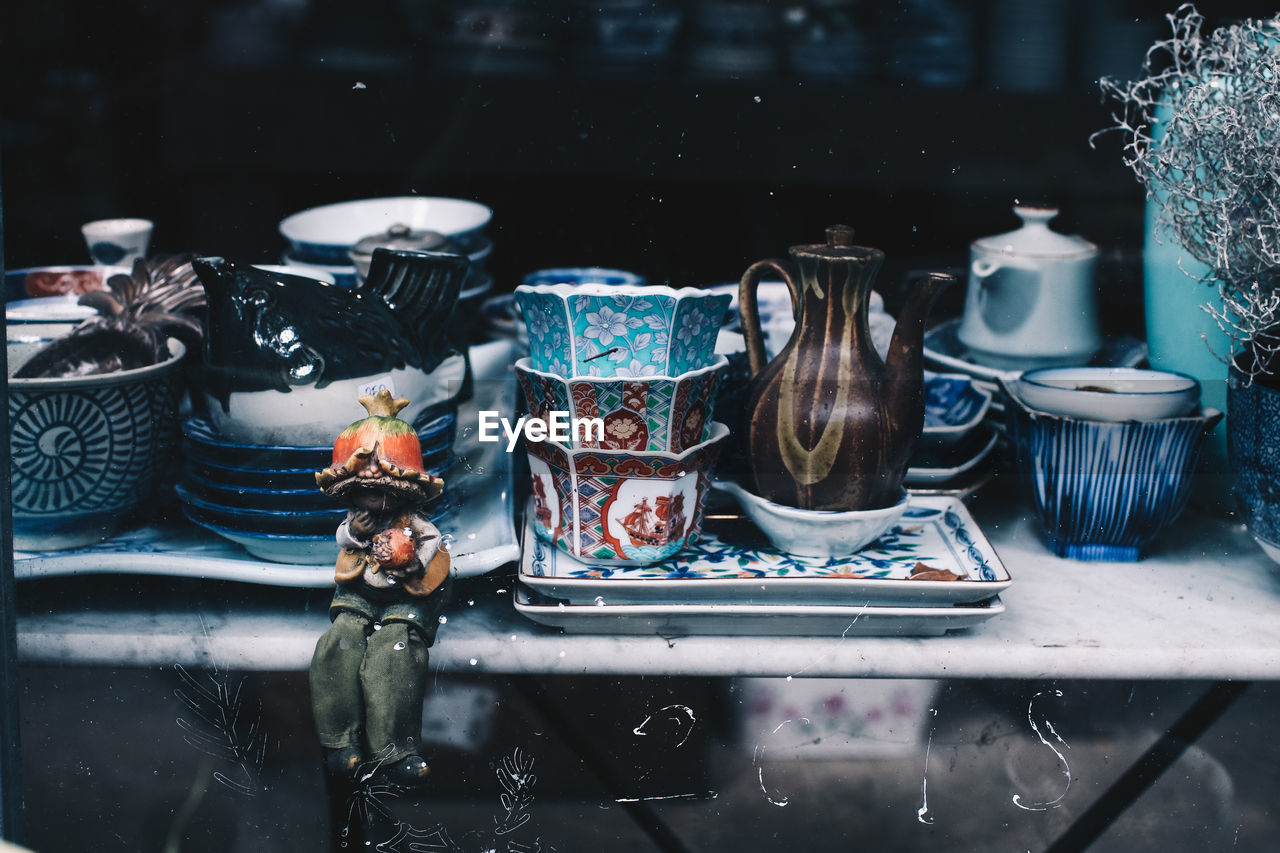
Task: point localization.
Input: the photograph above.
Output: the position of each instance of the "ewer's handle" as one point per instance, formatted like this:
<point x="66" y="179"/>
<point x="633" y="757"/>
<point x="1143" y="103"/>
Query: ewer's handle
<point x="749" y="314"/>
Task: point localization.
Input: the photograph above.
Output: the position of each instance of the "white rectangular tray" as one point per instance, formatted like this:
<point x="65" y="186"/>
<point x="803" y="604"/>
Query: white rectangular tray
<point x="482" y="523"/>
<point x="679" y="620"/>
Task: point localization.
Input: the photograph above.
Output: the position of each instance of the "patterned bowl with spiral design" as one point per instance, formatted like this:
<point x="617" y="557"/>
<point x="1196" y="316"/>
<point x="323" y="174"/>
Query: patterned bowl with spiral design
<point x="87" y="451"/>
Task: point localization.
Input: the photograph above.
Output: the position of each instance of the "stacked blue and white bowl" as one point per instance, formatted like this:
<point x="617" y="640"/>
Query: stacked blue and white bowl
<point x="324" y="237"/>
<point x="264" y="496"/>
<point x="641" y="363"/>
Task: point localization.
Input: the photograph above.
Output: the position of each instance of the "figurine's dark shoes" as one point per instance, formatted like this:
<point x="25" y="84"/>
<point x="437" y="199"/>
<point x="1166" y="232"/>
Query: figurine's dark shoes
<point x="409" y="772"/>
<point x="344" y="762"/>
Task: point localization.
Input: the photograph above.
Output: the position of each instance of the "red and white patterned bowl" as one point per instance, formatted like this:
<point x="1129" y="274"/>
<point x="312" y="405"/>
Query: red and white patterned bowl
<point x="639" y="413"/>
<point x="618" y="507"/>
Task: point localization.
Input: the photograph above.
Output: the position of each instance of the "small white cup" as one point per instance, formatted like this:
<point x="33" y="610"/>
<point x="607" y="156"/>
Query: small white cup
<point x="117" y="242"/>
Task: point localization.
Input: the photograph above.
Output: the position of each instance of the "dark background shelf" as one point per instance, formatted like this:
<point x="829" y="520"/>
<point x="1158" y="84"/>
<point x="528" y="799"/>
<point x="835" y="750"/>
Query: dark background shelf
<point x="175" y="112"/>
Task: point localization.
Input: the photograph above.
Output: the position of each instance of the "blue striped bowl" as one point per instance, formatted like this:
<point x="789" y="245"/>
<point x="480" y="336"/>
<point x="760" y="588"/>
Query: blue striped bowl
<point x="1103" y="490"/>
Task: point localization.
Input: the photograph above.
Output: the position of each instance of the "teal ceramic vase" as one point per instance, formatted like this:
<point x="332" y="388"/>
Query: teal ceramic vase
<point x="1183" y="336"/>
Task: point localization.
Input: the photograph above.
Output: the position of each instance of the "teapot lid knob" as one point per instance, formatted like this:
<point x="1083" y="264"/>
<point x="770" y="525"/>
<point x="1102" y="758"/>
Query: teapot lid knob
<point x="839" y="236"/>
<point x="1035" y="213"/>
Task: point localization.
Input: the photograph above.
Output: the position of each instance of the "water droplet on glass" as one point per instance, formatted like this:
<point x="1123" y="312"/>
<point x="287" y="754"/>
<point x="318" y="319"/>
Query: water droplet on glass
<point x="443" y="619"/>
<point x="756" y="99"/>
<point x="377" y="626"/>
<point x="399" y="647"/>
<point x="473" y="661"/>
<point x="471" y="602"/>
<point x="599" y="601"/>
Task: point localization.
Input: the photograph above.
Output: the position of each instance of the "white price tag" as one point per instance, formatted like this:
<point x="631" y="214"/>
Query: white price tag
<point x="373" y="386"/>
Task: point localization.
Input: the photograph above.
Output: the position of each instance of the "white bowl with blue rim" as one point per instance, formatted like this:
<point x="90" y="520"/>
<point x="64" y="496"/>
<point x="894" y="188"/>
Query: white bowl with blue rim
<point x="953" y="407"/>
<point x="599" y="330"/>
<point x="606" y="276"/>
<point x="346" y="275"/>
<point x="325" y="234"/>
<point x="343" y="275"/>
<point x="204" y="442"/>
<point x="304" y="270"/>
<point x="815" y="533"/>
<point x="938" y="466"/>
<point x="1109" y="393"/>
<point x="65" y="280"/>
<point x="1103" y="490"/>
<point x="40" y="319"/>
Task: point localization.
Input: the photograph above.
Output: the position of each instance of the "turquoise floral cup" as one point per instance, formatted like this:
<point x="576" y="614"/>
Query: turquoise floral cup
<point x="630" y="332"/>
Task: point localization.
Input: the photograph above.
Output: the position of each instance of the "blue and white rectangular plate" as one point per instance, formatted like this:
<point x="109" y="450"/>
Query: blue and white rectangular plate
<point x="760" y="620"/>
<point x="733" y="564"/>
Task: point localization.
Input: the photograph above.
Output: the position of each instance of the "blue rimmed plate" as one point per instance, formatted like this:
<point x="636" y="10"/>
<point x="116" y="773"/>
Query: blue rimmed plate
<point x="203" y="443"/>
<point x="953" y="406"/>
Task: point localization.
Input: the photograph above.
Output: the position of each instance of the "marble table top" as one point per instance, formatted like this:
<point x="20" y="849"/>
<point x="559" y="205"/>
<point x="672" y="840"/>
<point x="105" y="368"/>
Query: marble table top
<point x="1205" y="604"/>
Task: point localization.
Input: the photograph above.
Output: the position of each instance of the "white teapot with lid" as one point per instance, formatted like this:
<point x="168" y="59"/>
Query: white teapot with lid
<point x="1031" y="300"/>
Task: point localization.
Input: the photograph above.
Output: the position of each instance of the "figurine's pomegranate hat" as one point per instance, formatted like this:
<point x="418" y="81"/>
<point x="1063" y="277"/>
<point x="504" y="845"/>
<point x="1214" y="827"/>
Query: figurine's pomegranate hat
<point x="380" y="451"/>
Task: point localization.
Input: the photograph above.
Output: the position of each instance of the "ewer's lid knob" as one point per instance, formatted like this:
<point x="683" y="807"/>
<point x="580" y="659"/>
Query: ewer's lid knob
<point x="839" y="236"/>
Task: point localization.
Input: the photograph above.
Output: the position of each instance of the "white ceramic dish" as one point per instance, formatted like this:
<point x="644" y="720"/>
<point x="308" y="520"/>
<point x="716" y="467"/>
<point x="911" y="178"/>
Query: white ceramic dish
<point x="924" y="475"/>
<point x="342" y="275"/>
<point x="726" y="568"/>
<point x="48" y="309"/>
<point x="953" y="406"/>
<point x="305" y="270"/>
<point x="944" y="352"/>
<point x="584" y="275"/>
<point x="297" y="549"/>
<point x="309" y="415"/>
<point x="1108" y="393"/>
<point x="39" y="282"/>
<point x="327" y="232"/>
<point x="813" y="533"/>
<point x="764" y="620"/>
<point x="482" y="525"/>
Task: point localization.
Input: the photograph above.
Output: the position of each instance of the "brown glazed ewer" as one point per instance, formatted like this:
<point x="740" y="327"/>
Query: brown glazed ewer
<point x="830" y="425"/>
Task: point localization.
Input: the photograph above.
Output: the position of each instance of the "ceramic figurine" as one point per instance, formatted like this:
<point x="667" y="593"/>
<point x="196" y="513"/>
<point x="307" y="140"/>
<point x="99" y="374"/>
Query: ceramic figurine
<point x="271" y="331"/>
<point x="369" y="671"/>
<point x="830" y="425"/>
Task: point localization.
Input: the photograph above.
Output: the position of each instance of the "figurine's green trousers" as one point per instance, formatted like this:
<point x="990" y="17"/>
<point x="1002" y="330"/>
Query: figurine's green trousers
<point x="369" y="672"/>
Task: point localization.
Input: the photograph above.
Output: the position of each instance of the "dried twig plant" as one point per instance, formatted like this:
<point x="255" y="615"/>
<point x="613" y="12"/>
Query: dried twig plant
<point x="1201" y="131"/>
